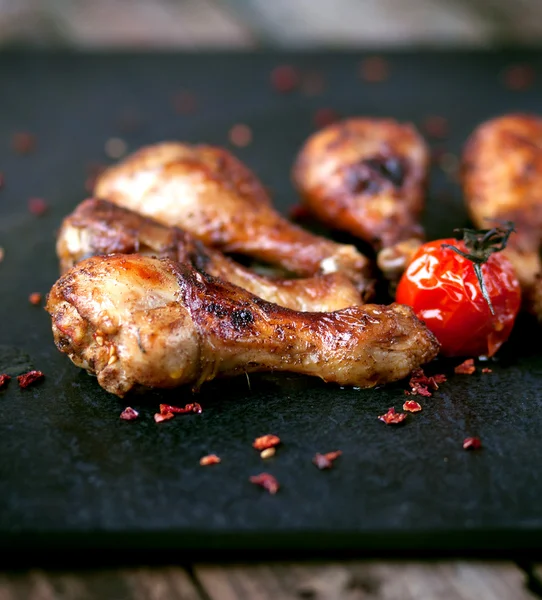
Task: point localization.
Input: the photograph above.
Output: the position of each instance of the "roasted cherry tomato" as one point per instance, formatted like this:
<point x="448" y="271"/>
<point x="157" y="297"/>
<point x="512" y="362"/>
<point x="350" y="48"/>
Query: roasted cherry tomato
<point x="443" y="289"/>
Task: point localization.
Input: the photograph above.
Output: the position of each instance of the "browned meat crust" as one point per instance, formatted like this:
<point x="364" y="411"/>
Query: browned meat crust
<point x="136" y="321"/>
<point x="99" y="227"/>
<point x="365" y="176"/>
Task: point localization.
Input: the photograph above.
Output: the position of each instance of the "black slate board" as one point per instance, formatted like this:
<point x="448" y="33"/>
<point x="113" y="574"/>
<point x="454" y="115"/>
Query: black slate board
<point x="72" y="474"/>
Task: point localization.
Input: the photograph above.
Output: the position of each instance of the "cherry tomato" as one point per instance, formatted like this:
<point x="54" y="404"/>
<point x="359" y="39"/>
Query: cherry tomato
<point x="442" y="288"/>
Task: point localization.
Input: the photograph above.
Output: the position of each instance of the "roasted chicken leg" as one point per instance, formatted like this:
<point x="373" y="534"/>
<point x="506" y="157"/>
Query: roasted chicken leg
<point x="365" y="176"/>
<point x="99" y="227"/>
<point x="212" y="195"/>
<point x="139" y="321"/>
<point x="502" y="181"/>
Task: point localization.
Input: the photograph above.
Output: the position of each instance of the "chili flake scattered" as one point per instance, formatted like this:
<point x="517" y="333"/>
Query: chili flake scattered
<point x="487" y="370"/>
<point x="284" y="78"/>
<point x="266" y="441"/>
<point x="374" y="69"/>
<point x="35" y="298"/>
<point x="267" y="481"/>
<point x="466" y="367"/>
<point x="412" y="406"/>
<point x="325" y="461"/>
<point x="23" y="142"/>
<point x="422" y="385"/>
<point x="29" y="378"/>
<point x="193" y="407"/>
<point x="37" y="206"/>
<point x="325" y="116"/>
<point x="268" y="453"/>
<point x="159" y="417"/>
<point x="518" y="77"/>
<point x="211" y="459"/>
<point x="240" y="135"/>
<point x="129" y="414"/>
<point x="472" y="443"/>
<point x="393" y="418"/>
<point x="435" y="126"/>
<point x="4" y="380"/>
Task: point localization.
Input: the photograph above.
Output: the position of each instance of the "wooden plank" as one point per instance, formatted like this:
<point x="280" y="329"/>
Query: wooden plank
<point x="371" y="580"/>
<point x="168" y="583"/>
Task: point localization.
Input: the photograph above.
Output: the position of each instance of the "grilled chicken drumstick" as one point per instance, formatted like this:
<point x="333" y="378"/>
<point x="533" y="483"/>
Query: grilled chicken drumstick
<point x="212" y="195"/>
<point x="502" y="181"/>
<point x="365" y="176"/>
<point x="139" y="321"/>
<point x="99" y="227"/>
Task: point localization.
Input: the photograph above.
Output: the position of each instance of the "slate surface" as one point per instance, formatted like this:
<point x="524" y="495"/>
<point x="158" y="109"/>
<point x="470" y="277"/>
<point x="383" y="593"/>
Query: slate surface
<point x="73" y="474"/>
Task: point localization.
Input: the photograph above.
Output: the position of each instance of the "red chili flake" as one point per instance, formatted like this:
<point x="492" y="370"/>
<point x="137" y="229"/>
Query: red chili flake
<point x="325" y="461"/>
<point x="23" y="142"/>
<point x="518" y="77"/>
<point x="35" y="298"/>
<point x="393" y="418"/>
<point x="312" y="84"/>
<point x="325" y="116"/>
<point x="2" y="180"/>
<point x="37" y="206"/>
<point x="374" y="69"/>
<point x="466" y="368"/>
<point x="284" y="78"/>
<point x="240" y="135"/>
<point x="472" y="443"/>
<point x="29" y="378"/>
<point x="267" y="481"/>
<point x="435" y="126"/>
<point x="412" y="406"/>
<point x="159" y="417"/>
<point x="194" y="407"/>
<point x="487" y="370"/>
<point x="266" y="441"/>
<point x="298" y="212"/>
<point x="129" y="414"/>
<point x="211" y="459"/>
<point x="4" y="380"/>
<point x="184" y="102"/>
<point x="421" y="385"/>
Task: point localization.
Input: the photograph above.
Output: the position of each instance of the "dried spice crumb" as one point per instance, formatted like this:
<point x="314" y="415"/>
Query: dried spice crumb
<point x="240" y="135"/>
<point x="466" y="367"/>
<point x="210" y="459"/>
<point x="4" y="380"/>
<point x="159" y="417"/>
<point x="268" y="453"/>
<point x="422" y="385"/>
<point x="325" y="461"/>
<point x="184" y="102"/>
<point x="29" y="378"/>
<point x="267" y="481"/>
<point x="35" y="298"/>
<point x="193" y="407"/>
<point x="129" y="414"/>
<point x="412" y="406"/>
<point x="115" y="147"/>
<point x="266" y="441"/>
<point x="23" y="142"/>
<point x="325" y="116"/>
<point x="518" y="77"/>
<point x="37" y="206"/>
<point x="435" y="126"/>
<point x="374" y="69"/>
<point x="392" y="418"/>
<point x="487" y="370"/>
<point x="284" y="78"/>
<point x="472" y="443"/>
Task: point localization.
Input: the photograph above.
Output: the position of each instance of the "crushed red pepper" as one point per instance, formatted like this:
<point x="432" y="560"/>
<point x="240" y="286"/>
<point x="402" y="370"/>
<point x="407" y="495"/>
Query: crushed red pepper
<point x="129" y="414"/>
<point x="267" y="481"/>
<point x="37" y="206"/>
<point x="392" y="418"/>
<point x="412" y="406"/>
<point x="193" y="407"/>
<point x="487" y="370"/>
<point x="472" y="443"/>
<point x="27" y="379"/>
<point x="4" y="380"/>
<point x="266" y="441"/>
<point x="240" y="135"/>
<point x="325" y="461"/>
<point x="466" y="367"/>
<point x="35" y="298"/>
<point x="284" y="78"/>
<point x="374" y="69"/>
<point x="422" y="385"/>
<point x="23" y="142"/>
<point x="211" y="459"/>
<point x="159" y="417"/>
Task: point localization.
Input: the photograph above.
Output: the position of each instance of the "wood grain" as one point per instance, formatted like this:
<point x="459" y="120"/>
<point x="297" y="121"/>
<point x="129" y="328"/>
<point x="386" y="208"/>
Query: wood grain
<point x="366" y="580"/>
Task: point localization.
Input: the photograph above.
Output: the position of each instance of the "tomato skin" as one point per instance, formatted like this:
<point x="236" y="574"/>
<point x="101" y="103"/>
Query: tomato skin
<point x="442" y="288"/>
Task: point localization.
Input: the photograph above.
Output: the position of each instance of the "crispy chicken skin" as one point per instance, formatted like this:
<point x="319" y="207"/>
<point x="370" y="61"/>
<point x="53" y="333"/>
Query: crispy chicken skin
<point x="100" y="227"/>
<point x="502" y="181"/>
<point x="137" y="321"/>
<point x="366" y="176"/>
<point x="212" y="195"/>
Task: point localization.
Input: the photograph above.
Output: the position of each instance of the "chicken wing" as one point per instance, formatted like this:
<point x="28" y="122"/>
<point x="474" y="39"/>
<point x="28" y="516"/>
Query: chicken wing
<point x="212" y="195"/>
<point x="367" y="177"/>
<point x="99" y="227"/>
<point x="502" y="181"/>
<point x="136" y="321"/>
